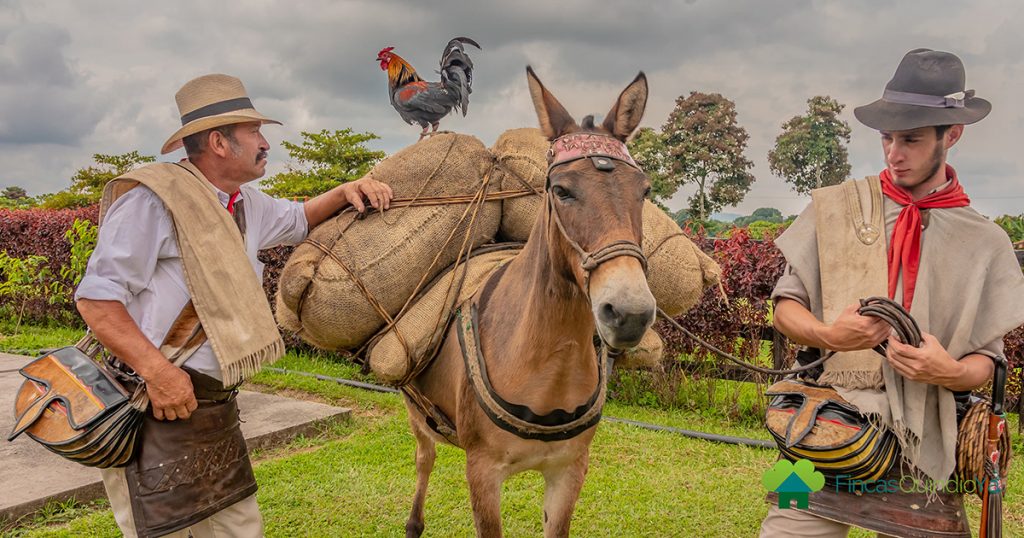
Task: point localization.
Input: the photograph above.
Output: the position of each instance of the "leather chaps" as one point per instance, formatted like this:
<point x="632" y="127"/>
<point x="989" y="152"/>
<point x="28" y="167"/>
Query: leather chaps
<point x="188" y="470"/>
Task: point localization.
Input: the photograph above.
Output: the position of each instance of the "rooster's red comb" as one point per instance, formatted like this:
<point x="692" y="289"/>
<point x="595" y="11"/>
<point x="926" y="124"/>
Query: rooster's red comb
<point x="385" y="50"/>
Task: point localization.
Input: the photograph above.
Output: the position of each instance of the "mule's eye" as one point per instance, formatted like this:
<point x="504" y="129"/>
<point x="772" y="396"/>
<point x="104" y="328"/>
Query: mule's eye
<point x="562" y="193"/>
<point x="647" y="192"/>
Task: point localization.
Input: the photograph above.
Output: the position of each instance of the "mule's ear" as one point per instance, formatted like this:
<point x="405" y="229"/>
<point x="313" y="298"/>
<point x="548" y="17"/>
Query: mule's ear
<point x="625" y="115"/>
<point x="554" y="120"/>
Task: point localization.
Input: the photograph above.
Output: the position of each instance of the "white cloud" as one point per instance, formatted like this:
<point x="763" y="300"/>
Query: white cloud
<point x="100" y="76"/>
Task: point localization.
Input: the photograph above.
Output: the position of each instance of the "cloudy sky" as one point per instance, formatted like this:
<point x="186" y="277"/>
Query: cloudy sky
<point x="78" y="78"/>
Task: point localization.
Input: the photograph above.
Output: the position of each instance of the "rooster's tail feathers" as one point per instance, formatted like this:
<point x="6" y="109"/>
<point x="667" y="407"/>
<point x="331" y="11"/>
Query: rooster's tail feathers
<point x="457" y="69"/>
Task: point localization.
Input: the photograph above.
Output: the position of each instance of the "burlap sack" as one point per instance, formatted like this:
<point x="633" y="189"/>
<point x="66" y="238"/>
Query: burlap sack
<point x="646" y="355"/>
<point x="420" y="326"/>
<point x="324" y="297"/>
<point x="520" y="164"/>
<point x="678" y="271"/>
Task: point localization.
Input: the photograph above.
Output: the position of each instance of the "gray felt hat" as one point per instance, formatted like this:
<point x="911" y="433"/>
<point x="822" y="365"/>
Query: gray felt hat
<point x="927" y="89"/>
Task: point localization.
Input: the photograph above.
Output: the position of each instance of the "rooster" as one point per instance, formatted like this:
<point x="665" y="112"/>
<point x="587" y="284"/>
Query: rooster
<point x="425" y="103"/>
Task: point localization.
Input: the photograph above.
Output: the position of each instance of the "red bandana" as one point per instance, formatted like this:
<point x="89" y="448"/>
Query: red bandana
<point x="905" y="245"/>
<point x="231" y="202"/>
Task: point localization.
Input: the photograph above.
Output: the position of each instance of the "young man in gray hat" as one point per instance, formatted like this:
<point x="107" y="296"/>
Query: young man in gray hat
<point x="954" y="271"/>
<point x="175" y="276"/>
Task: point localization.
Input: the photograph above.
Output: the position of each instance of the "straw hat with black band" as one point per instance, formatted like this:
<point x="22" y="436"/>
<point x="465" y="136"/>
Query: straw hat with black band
<point x="928" y="89"/>
<point x="211" y="101"/>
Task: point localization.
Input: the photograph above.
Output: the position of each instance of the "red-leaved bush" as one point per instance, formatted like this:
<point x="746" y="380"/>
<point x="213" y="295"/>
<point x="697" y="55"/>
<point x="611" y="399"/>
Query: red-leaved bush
<point x="737" y="322"/>
<point x="750" y="269"/>
<point x="25" y="232"/>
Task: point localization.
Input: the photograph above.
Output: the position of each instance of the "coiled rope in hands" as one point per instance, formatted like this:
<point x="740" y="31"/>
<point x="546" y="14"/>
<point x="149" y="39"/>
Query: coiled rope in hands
<point x="891" y="312"/>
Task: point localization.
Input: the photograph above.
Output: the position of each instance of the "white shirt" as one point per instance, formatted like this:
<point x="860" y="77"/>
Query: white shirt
<point x="137" y="263"/>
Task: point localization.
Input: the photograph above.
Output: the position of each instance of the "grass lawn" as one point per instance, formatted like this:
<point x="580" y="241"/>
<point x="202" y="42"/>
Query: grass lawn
<point x="358" y="478"/>
<point x="29" y="339"/>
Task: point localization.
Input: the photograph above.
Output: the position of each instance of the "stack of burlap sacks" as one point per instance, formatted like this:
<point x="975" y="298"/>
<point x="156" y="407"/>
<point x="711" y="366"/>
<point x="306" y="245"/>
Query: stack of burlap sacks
<point x="343" y="288"/>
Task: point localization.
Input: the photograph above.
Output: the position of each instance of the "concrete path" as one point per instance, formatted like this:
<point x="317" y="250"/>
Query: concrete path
<point x="31" y="476"/>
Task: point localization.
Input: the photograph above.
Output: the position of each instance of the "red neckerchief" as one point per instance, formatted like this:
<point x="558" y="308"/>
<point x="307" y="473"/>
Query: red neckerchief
<point x="905" y="244"/>
<point x="231" y="201"/>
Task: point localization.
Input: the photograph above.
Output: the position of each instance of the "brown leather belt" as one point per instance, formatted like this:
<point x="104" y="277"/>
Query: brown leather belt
<point x="210" y="389"/>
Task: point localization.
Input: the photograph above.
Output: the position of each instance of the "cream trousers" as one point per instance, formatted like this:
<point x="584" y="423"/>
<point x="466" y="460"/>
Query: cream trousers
<point x="791" y="523"/>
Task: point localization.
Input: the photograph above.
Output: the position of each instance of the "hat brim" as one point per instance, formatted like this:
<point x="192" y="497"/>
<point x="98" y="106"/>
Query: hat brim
<point x="886" y="116"/>
<point x="244" y="115"/>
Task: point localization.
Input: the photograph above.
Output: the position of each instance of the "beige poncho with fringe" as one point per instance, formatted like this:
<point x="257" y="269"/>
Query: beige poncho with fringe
<point x="227" y="293"/>
<point x="970" y="293"/>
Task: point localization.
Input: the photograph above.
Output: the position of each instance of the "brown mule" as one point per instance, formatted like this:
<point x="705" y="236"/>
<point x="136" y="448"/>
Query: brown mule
<point x="580" y="271"/>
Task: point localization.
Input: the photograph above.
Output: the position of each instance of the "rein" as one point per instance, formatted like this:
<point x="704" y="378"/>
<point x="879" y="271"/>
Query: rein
<point x="891" y="312"/>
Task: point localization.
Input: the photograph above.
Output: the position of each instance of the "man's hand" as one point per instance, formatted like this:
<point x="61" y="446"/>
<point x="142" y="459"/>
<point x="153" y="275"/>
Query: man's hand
<point x="929" y="363"/>
<point x="170" y="392"/>
<point x="356" y="193"/>
<point x="852" y="331"/>
<point x="378" y="194"/>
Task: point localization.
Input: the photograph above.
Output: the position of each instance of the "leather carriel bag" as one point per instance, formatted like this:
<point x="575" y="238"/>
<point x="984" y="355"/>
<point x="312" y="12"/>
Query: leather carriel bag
<point x="72" y="404"/>
<point x="815" y="423"/>
<point x="79" y="407"/>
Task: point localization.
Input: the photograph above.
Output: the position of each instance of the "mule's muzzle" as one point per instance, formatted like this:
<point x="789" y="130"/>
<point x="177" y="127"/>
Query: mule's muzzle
<point x="622" y="326"/>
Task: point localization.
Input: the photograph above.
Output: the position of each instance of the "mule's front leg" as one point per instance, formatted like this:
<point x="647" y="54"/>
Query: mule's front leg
<point x="561" y="490"/>
<point x="426" y="453"/>
<point x="485" y="478"/>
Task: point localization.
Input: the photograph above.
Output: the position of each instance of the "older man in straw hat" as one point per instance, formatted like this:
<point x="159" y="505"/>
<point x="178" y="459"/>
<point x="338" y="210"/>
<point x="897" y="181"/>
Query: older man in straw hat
<point x="950" y="267"/>
<point x="175" y="281"/>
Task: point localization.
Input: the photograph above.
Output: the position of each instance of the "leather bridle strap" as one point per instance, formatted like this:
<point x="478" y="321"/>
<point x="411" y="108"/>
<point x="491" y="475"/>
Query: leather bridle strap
<point x="591" y="260"/>
<point x="600" y="149"/>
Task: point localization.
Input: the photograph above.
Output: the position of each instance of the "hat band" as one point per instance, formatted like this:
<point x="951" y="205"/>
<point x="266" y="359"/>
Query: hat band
<point x="922" y="99"/>
<point x="219" y="107"/>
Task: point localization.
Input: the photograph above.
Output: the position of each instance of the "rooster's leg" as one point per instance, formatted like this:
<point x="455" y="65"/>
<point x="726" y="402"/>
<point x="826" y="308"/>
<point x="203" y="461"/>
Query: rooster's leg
<point x="432" y="131"/>
<point x="424" y="132"/>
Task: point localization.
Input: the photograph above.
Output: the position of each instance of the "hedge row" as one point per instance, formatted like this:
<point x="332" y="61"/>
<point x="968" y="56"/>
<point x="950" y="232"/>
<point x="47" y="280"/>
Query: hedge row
<point x="25" y="232"/>
<point x="750" y="269"/>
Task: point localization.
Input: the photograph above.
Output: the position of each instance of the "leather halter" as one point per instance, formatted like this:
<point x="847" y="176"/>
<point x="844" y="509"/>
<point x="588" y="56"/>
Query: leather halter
<point x="603" y="151"/>
<point x="575" y="146"/>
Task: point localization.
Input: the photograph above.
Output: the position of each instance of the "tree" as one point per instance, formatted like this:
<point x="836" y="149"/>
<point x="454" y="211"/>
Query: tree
<point x="765" y="214"/>
<point x="647" y="147"/>
<point x="811" y="151"/>
<point x="14" y="193"/>
<point x="15" y="197"/>
<point x="322" y="161"/>
<point x="87" y="183"/>
<point x="705" y="147"/>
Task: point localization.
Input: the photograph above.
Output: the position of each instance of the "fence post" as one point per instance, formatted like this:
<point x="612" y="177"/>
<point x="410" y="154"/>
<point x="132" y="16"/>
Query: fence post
<point x="779" y="349"/>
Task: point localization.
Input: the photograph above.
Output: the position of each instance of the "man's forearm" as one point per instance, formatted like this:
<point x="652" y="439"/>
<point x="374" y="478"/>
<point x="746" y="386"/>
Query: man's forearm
<point x="975" y="370"/>
<point x="117" y="331"/>
<point x="798" y="324"/>
<point x="321" y="207"/>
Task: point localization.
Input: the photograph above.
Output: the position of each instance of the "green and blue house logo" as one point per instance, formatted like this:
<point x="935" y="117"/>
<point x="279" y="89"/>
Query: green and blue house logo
<point x="793" y="482"/>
